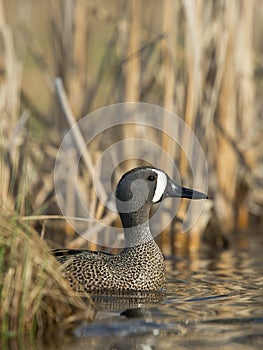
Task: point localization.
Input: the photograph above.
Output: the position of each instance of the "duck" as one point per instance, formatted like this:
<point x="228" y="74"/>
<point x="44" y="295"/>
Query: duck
<point x="140" y="266"/>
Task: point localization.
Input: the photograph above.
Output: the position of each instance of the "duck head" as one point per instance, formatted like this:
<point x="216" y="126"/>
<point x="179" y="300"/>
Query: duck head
<point x="142" y="187"/>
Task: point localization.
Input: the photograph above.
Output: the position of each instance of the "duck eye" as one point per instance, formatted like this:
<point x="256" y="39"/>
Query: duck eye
<point x="151" y="178"/>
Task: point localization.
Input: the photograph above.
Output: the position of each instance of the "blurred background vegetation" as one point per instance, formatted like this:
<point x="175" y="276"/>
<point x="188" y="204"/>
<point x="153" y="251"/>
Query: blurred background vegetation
<point x="202" y="60"/>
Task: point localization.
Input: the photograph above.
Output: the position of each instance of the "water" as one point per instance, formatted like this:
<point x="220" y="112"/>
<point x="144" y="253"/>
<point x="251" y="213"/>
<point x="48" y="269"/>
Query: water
<point x="212" y="302"/>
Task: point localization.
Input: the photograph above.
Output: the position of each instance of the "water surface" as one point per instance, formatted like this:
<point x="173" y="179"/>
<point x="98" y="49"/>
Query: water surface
<point x="212" y="302"/>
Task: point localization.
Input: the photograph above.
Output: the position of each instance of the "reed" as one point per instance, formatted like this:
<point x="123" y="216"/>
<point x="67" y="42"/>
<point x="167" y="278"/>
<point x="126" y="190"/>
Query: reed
<point x="202" y="60"/>
<point x="195" y="59"/>
<point x="35" y="298"/>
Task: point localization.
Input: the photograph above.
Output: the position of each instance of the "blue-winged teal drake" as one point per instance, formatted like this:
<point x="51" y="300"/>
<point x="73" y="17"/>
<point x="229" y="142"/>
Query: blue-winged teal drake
<point x="140" y="266"/>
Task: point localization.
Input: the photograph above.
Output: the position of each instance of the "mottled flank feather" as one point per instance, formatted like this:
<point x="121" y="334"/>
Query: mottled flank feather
<point x="136" y="268"/>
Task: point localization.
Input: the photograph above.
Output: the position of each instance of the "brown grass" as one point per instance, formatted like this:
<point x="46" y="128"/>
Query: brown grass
<point x="34" y="296"/>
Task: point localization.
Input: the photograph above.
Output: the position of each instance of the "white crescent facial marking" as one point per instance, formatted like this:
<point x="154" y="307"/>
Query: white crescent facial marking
<point x="160" y="185"/>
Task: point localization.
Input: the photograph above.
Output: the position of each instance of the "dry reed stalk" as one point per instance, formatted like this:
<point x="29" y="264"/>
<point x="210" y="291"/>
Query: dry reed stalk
<point x="226" y="160"/>
<point x="168" y="52"/>
<point x="77" y="134"/>
<point x="193" y="37"/>
<point x="77" y="80"/>
<point x="170" y="9"/>
<point x="69" y="47"/>
<point x="133" y="68"/>
<point x="193" y="49"/>
<point x="34" y="295"/>
<point x="11" y="129"/>
<point x="70" y="192"/>
<point x="245" y="93"/>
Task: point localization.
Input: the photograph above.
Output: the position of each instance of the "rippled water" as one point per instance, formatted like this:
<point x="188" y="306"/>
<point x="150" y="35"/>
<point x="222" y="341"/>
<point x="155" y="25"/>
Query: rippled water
<point x="212" y="302"/>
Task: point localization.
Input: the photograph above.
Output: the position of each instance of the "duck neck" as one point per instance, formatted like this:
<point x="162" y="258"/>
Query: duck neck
<point x="137" y="235"/>
<point x="136" y="226"/>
